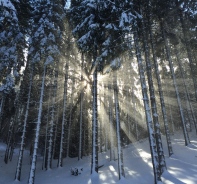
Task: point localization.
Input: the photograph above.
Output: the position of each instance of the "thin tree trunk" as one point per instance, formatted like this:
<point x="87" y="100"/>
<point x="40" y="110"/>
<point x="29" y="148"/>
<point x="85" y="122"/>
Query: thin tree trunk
<point x="134" y="116"/>
<point x="70" y="120"/>
<point x="94" y="162"/>
<point x="44" y="163"/>
<point x="188" y="48"/>
<point x="1" y="110"/>
<point x="154" y="154"/>
<point x="55" y="131"/>
<point x="51" y="131"/>
<point x="60" y="159"/>
<point x="9" y="140"/>
<point x="37" y="133"/>
<point x="81" y="113"/>
<point x="163" y="108"/>
<point x="111" y="129"/>
<point x="107" y="125"/>
<point x="20" y="158"/>
<point x="186" y="89"/>
<point x="128" y="116"/>
<point x="80" y="126"/>
<point x="119" y="147"/>
<point x="167" y="48"/>
<point x="161" y="158"/>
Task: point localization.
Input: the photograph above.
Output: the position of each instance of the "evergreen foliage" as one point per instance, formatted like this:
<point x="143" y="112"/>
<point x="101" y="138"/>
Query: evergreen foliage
<point x="72" y="48"/>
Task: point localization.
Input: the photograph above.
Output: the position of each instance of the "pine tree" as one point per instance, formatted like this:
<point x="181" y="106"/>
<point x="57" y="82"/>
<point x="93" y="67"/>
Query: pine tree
<point x="12" y="43"/>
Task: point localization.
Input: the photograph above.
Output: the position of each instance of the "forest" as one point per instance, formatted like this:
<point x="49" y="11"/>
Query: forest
<point x="83" y="77"/>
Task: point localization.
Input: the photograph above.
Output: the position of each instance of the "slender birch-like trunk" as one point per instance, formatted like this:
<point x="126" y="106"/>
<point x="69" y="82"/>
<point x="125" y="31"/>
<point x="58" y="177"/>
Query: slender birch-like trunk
<point x="37" y="133"/>
<point x="154" y="154"/>
<point x="20" y="158"/>
<point x="64" y="116"/>
<point x="167" y="48"/>
<point x="118" y="137"/>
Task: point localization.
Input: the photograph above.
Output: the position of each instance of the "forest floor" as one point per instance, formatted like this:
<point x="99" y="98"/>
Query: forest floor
<point x="181" y="166"/>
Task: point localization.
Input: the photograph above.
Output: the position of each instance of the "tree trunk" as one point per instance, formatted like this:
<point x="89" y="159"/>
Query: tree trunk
<point x="105" y="126"/>
<point x="70" y="120"/>
<point x="167" y="48"/>
<point x="163" y="108"/>
<point x="3" y="97"/>
<point x="134" y="116"/>
<point x="186" y="89"/>
<point x="9" y="140"/>
<point x="51" y="131"/>
<point x="111" y="128"/>
<point x="161" y="158"/>
<point x="44" y="163"/>
<point x="81" y="113"/>
<point x="37" y="133"/>
<point x="94" y="162"/>
<point x="20" y="158"/>
<point x="154" y="154"/>
<point x="60" y="159"/>
<point x="118" y="137"/>
<point x="188" y="48"/>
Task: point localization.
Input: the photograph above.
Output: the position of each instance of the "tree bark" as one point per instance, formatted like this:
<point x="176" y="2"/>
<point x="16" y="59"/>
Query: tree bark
<point x="37" y="133"/>
<point x="94" y="162"/>
<point x="111" y="128"/>
<point x="188" y="48"/>
<point x="161" y="158"/>
<point x="118" y="137"/>
<point x="52" y="120"/>
<point x="70" y="120"/>
<point x="163" y="108"/>
<point x="20" y="158"/>
<point x="186" y="89"/>
<point x="167" y="48"/>
<point x="154" y="154"/>
<point x="64" y="117"/>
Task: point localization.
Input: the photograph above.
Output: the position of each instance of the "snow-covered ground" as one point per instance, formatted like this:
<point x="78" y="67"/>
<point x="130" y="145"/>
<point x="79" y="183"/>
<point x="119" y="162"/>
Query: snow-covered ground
<point x="181" y="167"/>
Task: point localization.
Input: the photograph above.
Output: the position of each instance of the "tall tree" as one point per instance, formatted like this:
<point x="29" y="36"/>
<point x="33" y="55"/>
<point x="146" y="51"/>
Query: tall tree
<point x="154" y="154"/>
<point x="45" y="47"/>
<point x="91" y="22"/>
<point x="12" y="44"/>
<point x="119" y="147"/>
<point x="167" y="48"/>
<point x="157" y="73"/>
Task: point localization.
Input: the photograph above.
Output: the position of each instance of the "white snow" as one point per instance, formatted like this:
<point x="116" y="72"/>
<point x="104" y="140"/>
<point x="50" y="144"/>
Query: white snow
<point x="7" y="4"/>
<point x="181" y="167"/>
